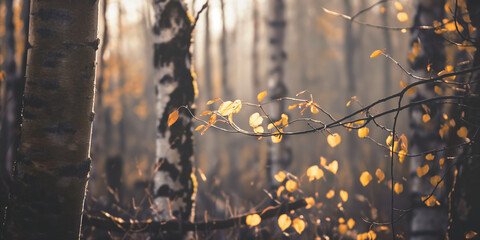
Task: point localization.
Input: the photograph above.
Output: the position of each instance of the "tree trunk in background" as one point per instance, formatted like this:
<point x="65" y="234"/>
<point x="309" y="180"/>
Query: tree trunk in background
<point x="466" y="197"/>
<point x="224" y="50"/>
<point x="53" y="161"/>
<point x="15" y="66"/>
<point x="174" y="183"/>
<point x="279" y="155"/>
<point x="255" y="62"/>
<point x="427" y="222"/>
<point x="208" y="65"/>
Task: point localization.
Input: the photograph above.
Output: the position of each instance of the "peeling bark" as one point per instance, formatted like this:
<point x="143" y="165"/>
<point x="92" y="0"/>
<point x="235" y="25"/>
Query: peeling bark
<point x="53" y="162"/>
<point x="174" y="183"/>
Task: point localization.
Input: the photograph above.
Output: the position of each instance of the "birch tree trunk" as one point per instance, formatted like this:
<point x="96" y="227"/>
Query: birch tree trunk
<point x="279" y="155"/>
<point x="53" y="160"/>
<point x="465" y="196"/>
<point x="174" y="183"/>
<point x="427" y="222"/>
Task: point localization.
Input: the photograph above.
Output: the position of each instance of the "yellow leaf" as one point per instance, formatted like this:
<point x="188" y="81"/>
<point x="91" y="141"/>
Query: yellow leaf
<point x="404" y="145"/>
<point x="212" y="119"/>
<point x="363" y="132"/>
<point x="261" y="95"/>
<point x="438" y="90"/>
<point x="277" y="137"/>
<point x="310" y="202"/>
<point x="389" y="140"/>
<point x="172" y="118"/>
<point x="377" y="53"/>
<point x="402" y="16"/>
<point x="401" y="155"/>
<point x="350" y="223"/>
<point x="348" y="103"/>
<point x="432" y="201"/>
<point x="462" y="132"/>
<point x="452" y="122"/>
<point x="284" y="221"/>
<point x="425" y="118"/>
<point x="284" y="119"/>
<point x="332" y="167"/>
<point x="470" y="234"/>
<point x="342" y="228"/>
<point x="398" y="188"/>
<point x="314" y="172"/>
<point x="255" y="120"/>
<point x="436" y="180"/>
<point x="334" y="139"/>
<point x="380" y="175"/>
<point x="292" y="106"/>
<point x="199" y="127"/>
<point x="421" y="171"/>
<point x="280" y="176"/>
<point x="341" y="220"/>
<point x="253" y="220"/>
<point x="212" y="101"/>
<point x="258" y="130"/>
<point x="291" y="185"/>
<point x="313" y="109"/>
<point x="430" y="157"/>
<point x="330" y="194"/>
<point x="398" y="6"/>
<point x="441" y="162"/>
<point x="323" y="161"/>
<point x="228" y="107"/>
<point x="344" y="195"/>
<point x="382" y="10"/>
<point x="365" y="178"/>
<point x="372" y="235"/>
<point x="205" y="113"/>
<point x="299" y="225"/>
<point x="280" y="190"/>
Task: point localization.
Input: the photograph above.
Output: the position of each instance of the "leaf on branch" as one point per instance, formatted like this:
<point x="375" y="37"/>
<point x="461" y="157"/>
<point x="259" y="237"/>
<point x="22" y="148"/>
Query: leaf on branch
<point x="255" y="120"/>
<point x="330" y="194"/>
<point x="332" y="167"/>
<point x="365" y="178"/>
<point x="389" y="140"/>
<point x="310" y="202"/>
<point x="212" y="101"/>
<point x="363" y="132"/>
<point x="280" y="176"/>
<point x="276" y="138"/>
<point x="299" y="225"/>
<point x="344" y="195"/>
<point x="292" y="106"/>
<point x="380" y="175"/>
<point x="228" y="107"/>
<point x="425" y="118"/>
<point x="398" y="188"/>
<point x="430" y="157"/>
<point x="199" y="127"/>
<point x="402" y="16"/>
<point x="213" y="119"/>
<point x="253" y="220"/>
<point x="342" y="229"/>
<point x="470" y="234"/>
<point x="432" y="201"/>
<point x="334" y="139"/>
<point x="350" y="223"/>
<point x="206" y="113"/>
<point x="436" y="180"/>
<point x="377" y="53"/>
<point x="172" y="118"/>
<point x="314" y="172"/>
<point x="291" y="185"/>
<point x="421" y="171"/>
<point x="261" y="95"/>
<point x="284" y="221"/>
<point x="462" y="132"/>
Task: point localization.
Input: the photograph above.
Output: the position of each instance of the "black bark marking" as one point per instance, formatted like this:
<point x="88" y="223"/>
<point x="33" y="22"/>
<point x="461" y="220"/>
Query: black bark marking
<point x="33" y="101"/>
<point x="55" y="16"/>
<point x="52" y="58"/>
<point x="60" y="129"/>
<point x="77" y="170"/>
<point x="167" y="167"/>
<point x="45" y="32"/>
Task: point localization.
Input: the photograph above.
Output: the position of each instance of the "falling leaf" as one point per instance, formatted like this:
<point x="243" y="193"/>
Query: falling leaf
<point x="470" y="234"/>
<point x="430" y="157"/>
<point x="299" y="225"/>
<point x="421" y="171"/>
<point x="310" y="202"/>
<point x="314" y="172"/>
<point x="344" y="195"/>
<point x="330" y="194"/>
<point x="430" y="201"/>
<point x="342" y="228"/>
<point x="199" y="127"/>
<point x="398" y="6"/>
<point x="261" y="95"/>
<point x="377" y="53"/>
<point x="425" y="118"/>
<point x="436" y="180"/>
<point x="212" y="101"/>
<point x="350" y="223"/>
<point x="332" y="167"/>
<point x="380" y="175"/>
<point x="334" y="139"/>
<point x="280" y="176"/>
<point x="172" y="118"/>
<point x="363" y="132"/>
<point x="253" y="220"/>
<point x="284" y="221"/>
<point x="255" y="120"/>
<point x="365" y="178"/>
<point x="402" y="16"/>
<point x="291" y="185"/>
<point x="398" y="188"/>
<point x="462" y="132"/>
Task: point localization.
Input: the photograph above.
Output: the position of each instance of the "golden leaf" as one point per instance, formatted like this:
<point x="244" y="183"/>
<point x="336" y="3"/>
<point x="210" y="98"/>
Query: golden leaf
<point x="255" y="120"/>
<point x="398" y="188"/>
<point x="292" y="106"/>
<point x="377" y="53"/>
<point x="261" y="95"/>
<point x="401" y="155"/>
<point x="350" y="223"/>
<point x="421" y="171"/>
<point x="438" y="90"/>
<point x="436" y="180"/>
<point x="212" y="101"/>
<point x="334" y="139"/>
<point x="280" y="176"/>
<point x="330" y="194"/>
<point x="402" y="16"/>
<point x="425" y="118"/>
<point x="323" y="161"/>
<point x="313" y="109"/>
<point x="284" y="221"/>
<point x="212" y="119"/>
<point x="332" y="167"/>
<point x="205" y="113"/>
<point x="314" y="172"/>
<point x="276" y="138"/>
<point x="430" y="157"/>
<point x="398" y="6"/>
<point x="365" y="178"/>
<point x="342" y="228"/>
<point x="199" y="127"/>
<point x="258" y="130"/>
<point x="344" y="195"/>
<point x="310" y="202"/>
<point x="280" y="190"/>
<point x="462" y="132"/>
<point x="228" y="107"/>
<point x="470" y="234"/>
<point x="291" y="185"/>
<point x="380" y="175"/>
<point x="441" y="162"/>
<point x="299" y="225"/>
<point x="253" y="220"/>
<point x="363" y="132"/>
<point x="172" y="118"/>
<point x="432" y="201"/>
<point x="284" y="119"/>
<point x="389" y="140"/>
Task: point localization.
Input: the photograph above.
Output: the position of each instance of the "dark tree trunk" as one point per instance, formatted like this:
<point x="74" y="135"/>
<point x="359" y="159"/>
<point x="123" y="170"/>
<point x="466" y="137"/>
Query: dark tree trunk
<point x="224" y="52"/>
<point x="174" y="184"/>
<point x="255" y="62"/>
<point x="53" y="162"/>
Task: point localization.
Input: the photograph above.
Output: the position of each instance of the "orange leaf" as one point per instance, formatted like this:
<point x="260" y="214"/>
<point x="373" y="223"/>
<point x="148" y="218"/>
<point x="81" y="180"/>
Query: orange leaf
<point x="253" y="220"/>
<point x="261" y="95"/>
<point x="212" y="101"/>
<point x="284" y="221"/>
<point x="172" y="118"/>
<point x="365" y="178"/>
<point x="376" y="53"/>
<point x="334" y="139"/>
<point x="344" y="195"/>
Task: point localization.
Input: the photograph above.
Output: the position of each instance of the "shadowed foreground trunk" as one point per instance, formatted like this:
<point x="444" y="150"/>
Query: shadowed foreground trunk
<point x="427" y="222"/>
<point x="174" y="183"/>
<point x="53" y="162"/>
